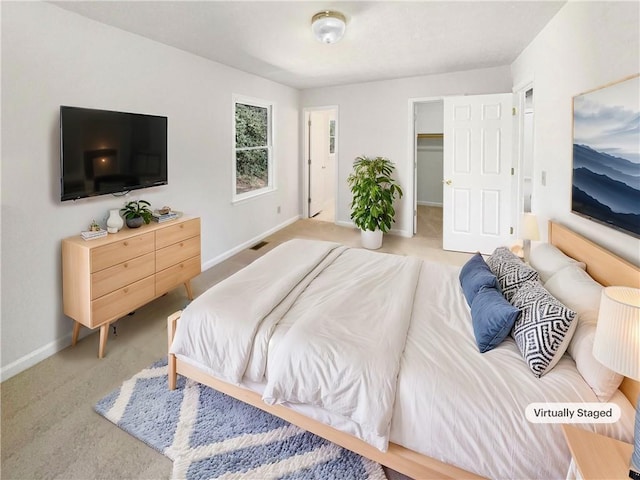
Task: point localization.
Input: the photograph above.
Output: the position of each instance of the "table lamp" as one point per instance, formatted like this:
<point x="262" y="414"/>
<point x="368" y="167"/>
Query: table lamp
<point x="617" y="346"/>
<point x="529" y="232"/>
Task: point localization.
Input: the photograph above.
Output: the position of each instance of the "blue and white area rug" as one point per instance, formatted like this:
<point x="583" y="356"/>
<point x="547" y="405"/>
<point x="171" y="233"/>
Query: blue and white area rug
<point x="210" y="435"/>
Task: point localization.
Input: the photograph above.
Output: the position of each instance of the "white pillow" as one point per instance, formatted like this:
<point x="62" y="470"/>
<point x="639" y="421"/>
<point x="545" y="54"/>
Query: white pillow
<point x="578" y="291"/>
<point x="547" y="259"/>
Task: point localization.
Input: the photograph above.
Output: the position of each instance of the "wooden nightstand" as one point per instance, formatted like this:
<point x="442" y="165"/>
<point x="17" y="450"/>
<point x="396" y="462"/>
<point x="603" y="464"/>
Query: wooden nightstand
<point x="596" y="456"/>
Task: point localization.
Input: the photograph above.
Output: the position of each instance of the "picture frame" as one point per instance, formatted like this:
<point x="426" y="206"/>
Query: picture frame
<point x="606" y="155"/>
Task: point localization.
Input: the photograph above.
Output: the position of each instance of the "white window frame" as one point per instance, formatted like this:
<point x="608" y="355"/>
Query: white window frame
<point x="271" y="179"/>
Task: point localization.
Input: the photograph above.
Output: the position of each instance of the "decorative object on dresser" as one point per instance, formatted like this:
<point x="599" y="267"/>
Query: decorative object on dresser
<point x="136" y="212"/>
<point x="617" y="344"/>
<point x="108" y="278"/>
<point x="373" y="190"/>
<point x="94" y="232"/>
<point x="115" y="221"/>
<point x="165" y="214"/>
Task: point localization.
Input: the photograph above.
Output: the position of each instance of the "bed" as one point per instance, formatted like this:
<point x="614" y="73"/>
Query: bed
<point x="441" y="410"/>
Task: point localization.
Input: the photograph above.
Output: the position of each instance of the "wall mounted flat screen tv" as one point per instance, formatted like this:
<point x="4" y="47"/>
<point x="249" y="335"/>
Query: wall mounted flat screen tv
<point x="104" y="152"/>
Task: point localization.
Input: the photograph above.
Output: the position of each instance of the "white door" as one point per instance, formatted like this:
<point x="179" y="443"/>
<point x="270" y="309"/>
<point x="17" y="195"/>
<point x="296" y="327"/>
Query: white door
<point x="318" y="157"/>
<point x="477" y="172"/>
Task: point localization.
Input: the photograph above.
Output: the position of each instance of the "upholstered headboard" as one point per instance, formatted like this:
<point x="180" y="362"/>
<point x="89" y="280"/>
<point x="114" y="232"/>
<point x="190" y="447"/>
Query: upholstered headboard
<point x="603" y="266"/>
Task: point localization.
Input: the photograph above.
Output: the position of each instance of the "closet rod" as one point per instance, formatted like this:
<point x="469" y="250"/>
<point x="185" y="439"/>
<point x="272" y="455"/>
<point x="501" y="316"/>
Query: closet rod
<point x="430" y="135"/>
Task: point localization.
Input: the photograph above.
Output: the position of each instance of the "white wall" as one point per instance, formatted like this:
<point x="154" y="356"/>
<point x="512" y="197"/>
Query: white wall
<point x="430" y="117"/>
<point x="585" y="46"/>
<point x="374" y="119"/>
<point x="51" y="57"/>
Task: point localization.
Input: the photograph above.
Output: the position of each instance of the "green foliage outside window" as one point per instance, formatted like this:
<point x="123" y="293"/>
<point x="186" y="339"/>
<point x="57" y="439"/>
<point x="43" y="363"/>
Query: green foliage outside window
<point x="252" y="147"/>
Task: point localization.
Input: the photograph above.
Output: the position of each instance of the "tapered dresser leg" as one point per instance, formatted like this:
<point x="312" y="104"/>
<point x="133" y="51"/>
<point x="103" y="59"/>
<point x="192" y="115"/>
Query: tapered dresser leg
<point x="187" y="285"/>
<point x="76" y="332"/>
<point x="104" y="334"/>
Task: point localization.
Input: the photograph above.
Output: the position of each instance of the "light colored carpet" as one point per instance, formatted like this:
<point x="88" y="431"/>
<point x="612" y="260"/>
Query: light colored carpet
<point x="49" y="428"/>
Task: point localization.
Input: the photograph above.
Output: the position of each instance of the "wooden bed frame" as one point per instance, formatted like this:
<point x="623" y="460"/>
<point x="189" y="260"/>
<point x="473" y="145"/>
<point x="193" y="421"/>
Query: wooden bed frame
<point x="604" y="266"/>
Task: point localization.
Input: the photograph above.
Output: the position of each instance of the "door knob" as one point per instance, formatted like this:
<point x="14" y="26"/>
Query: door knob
<point x="446" y="182"/>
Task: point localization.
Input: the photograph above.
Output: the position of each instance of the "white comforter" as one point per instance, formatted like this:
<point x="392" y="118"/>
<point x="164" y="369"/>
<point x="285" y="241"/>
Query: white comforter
<point x="344" y="315"/>
<point x="346" y="334"/>
<point x="448" y="401"/>
<point x="219" y="327"/>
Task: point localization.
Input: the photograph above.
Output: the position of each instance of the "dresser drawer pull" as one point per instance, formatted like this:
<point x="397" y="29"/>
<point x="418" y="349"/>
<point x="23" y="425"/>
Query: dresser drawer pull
<point x="125" y="290"/>
<point x="126" y="244"/>
<point x="182" y="265"/>
<point x="182" y="244"/>
<point x="182" y="225"/>
<point x="126" y="265"/>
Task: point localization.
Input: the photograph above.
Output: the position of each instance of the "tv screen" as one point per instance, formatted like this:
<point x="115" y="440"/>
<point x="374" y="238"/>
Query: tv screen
<point x="105" y="152"/>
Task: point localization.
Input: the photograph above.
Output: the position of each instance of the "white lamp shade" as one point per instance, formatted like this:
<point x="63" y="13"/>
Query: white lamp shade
<point x="530" y="227"/>
<point x="328" y="27"/>
<point x="617" y="341"/>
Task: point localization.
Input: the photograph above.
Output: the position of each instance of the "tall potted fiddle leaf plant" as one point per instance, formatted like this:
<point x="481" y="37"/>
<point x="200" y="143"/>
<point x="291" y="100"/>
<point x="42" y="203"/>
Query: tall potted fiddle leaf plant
<point x="373" y="192"/>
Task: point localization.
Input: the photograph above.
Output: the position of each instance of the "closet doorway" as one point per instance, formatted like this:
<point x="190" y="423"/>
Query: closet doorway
<point x="428" y="157"/>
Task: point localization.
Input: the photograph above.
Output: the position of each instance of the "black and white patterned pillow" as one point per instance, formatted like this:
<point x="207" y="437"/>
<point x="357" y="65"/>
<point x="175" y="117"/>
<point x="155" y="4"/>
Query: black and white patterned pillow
<point x="543" y="329"/>
<point x="500" y="256"/>
<point x="510" y="271"/>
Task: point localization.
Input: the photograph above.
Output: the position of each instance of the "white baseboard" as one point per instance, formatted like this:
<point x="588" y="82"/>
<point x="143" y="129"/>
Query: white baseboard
<point x="35" y="357"/>
<point x="393" y="231"/>
<point x="430" y="204"/>
<point x="249" y="243"/>
<point x="42" y="353"/>
<point x="342" y="223"/>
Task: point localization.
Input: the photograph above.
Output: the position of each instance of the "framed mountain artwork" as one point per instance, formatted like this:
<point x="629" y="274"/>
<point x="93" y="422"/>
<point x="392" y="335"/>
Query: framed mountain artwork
<point x="606" y="155"/>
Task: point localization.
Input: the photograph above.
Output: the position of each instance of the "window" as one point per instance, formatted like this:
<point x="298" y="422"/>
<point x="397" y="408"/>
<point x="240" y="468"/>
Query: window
<point x="332" y="136"/>
<point x="253" y="150"/>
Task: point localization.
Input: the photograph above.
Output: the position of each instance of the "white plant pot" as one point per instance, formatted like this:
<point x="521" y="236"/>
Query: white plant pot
<point x="371" y="240"/>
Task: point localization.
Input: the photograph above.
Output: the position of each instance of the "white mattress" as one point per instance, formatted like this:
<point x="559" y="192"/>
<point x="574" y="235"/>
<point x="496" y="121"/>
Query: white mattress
<point x="465" y="408"/>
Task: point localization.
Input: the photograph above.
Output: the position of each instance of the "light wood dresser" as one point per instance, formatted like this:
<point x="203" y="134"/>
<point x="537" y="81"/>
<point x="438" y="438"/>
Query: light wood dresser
<point x="107" y="278"/>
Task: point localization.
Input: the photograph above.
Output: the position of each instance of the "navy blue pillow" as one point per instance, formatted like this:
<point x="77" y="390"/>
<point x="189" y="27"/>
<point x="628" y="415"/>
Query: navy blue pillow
<point x="493" y="318"/>
<point x="474" y="275"/>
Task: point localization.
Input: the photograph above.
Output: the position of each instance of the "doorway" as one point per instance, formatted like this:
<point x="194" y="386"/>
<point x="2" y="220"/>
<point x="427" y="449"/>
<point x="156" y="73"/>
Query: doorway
<point x="320" y="155"/>
<point x="476" y="168"/>
<point x="428" y="156"/>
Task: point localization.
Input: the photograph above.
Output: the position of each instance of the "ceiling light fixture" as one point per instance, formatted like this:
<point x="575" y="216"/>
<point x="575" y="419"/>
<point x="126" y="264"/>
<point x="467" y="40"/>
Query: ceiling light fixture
<point x="328" y="26"/>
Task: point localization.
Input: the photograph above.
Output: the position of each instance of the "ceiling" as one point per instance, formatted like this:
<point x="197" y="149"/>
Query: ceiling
<point x="383" y="40"/>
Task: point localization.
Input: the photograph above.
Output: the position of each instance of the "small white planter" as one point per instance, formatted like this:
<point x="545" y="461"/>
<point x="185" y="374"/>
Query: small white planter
<point x="371" y="240"/>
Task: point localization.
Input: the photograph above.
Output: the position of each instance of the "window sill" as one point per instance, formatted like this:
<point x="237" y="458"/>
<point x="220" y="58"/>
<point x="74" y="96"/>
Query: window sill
<point x="246" y="197"/>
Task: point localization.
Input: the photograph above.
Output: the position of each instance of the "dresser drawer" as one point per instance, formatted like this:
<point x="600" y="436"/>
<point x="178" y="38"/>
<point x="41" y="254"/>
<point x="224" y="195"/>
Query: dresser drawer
<point x="176" y="253"/>
<point x="120" y="275"/>
<point x="175" y="233"/>
<point x="177" y="274"/>
<point x="121" y="251"/>
<point x="122" y="301"/>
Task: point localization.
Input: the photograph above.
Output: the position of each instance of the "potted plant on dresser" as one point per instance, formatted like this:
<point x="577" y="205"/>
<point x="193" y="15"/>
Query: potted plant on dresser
<point x="373" y="193"/>
<point x="137" y="212"/>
